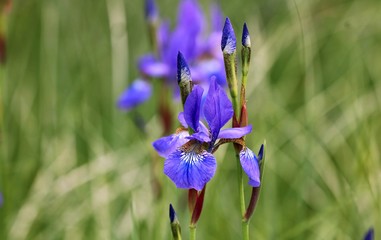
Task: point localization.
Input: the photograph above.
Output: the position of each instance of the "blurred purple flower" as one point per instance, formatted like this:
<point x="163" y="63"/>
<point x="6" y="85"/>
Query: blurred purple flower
<point x="1" y="199"/>
<point x="189" y="160"/>
<point x="200" y="48"/>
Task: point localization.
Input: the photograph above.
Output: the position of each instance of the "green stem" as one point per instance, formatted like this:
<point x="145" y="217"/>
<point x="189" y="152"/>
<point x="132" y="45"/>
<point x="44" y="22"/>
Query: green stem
<point x="192" y="229"/>
<point x="245" y="230"/>
<point x="245" y="224"/>
<point x="231" y="77"/>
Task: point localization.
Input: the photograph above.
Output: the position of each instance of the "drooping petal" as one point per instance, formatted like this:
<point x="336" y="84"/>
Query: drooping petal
<point x="167" y="145"/>
<point x="192" y="107"/>
<point x="249" y="163"/>
<point x="218" y="109"/>
<point x="190" y="167"/>
<point x="138" y="92"/>
<point x="235" y="132"/>
<point x="151" y="67"/>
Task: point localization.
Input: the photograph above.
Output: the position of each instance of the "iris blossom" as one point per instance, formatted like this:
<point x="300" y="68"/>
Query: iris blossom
<point x="189" y="160"/>
<point x="189" y="37"/>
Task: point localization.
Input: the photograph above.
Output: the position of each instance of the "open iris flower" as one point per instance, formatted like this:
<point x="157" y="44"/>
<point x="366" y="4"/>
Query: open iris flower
<point x="189" y="37"/>
<point x="189" y="160"/>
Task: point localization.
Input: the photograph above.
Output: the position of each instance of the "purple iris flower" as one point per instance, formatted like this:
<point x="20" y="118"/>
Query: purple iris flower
<point x="190" y="37"/>
<point x="189" y="160"/>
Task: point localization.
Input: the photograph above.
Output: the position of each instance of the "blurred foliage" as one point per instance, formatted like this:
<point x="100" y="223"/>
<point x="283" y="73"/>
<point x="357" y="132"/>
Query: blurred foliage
<point x="74" y="167"/>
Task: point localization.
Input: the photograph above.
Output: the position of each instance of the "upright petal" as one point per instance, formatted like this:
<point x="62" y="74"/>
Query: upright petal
<point x="218" y="109"/>
<point x="190" y="16"/>
<point x="167" y="145"/>
<point x="138" y="92"/>
<point x="217" y="19"/>
<point x="192" y="108"/>
<point x="249" y="163"/>
<point x="190" y="166"/>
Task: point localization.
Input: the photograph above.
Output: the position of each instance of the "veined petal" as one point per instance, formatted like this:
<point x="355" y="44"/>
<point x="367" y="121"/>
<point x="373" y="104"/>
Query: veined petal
<point x="249" y="163"/>
<point x="151" y="67"/>
<point x="218" y="109"/>
<point x="192" y="107"/>
<point x="190" y="167"/>
<point x="138" y="92"/>
<point x="166" y="145"/>
<point x="235" y="132"/>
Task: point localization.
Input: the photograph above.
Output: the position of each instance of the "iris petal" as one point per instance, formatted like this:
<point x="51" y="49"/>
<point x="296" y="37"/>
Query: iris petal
<point x="166" y="145"/>
<point x="192" y="107"/>
<point x="249" y="163"/>
<point x="235" y="132"/>
<point x="218" y="109"/>
<point x="150" y="66"/>
<point x="138" y="92"/>
<point x="190" y="169"/>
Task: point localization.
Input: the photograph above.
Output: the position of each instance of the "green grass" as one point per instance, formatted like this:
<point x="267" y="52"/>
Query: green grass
<point x="74" y="167"/>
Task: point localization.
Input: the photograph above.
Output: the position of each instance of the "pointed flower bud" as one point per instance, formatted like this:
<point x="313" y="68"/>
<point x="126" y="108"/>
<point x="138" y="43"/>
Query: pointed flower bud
<point x="228" y="41"/>
<point x="184" y="78"/>
<point x="245" y="36"/>
<point x="175" y="224"/>
<point x="150" y="10"/>
<point x="369" y="235"/>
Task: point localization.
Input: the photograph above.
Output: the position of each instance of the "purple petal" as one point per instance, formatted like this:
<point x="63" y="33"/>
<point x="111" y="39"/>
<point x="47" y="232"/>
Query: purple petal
<point x="192" y="108"/>
<point x="138" y="92"/>
<point x="218" y="109"/>
<point x="217" y="19"/>
<point x="163" y="36"/>
<point x="190" y="168"/>
<point x="249" y="163"/>
<point x="200" y="136"/>
<point x="167" y="145"/>
<point x="204" y="70"/>
<point x="235" y="132"/>
<point x="190" y="16"/>
<point x="181" y="119"/>
<point x="151" y="67"/>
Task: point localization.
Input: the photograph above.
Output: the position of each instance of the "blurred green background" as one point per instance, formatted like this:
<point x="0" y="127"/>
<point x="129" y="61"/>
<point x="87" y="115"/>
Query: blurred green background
<point x="75" y="167"/>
